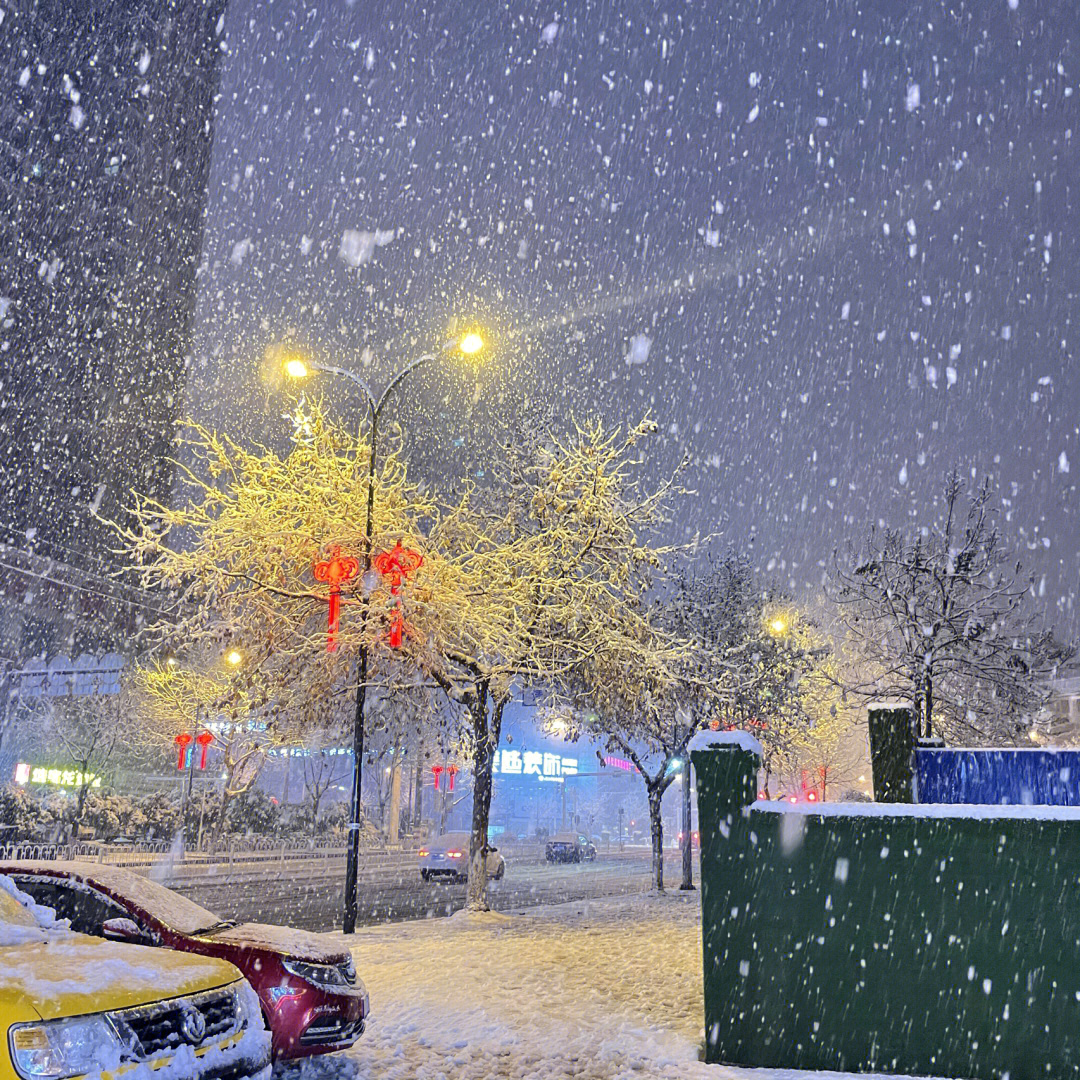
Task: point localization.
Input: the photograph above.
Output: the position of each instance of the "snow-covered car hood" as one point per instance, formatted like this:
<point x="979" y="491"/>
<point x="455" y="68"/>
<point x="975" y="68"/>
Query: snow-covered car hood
<point x="299" y="944"/>
<point x="74" y="974"/>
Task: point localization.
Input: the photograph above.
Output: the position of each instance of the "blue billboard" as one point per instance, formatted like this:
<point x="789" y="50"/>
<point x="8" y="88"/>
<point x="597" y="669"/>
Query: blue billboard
<point x="1011" y="777"/>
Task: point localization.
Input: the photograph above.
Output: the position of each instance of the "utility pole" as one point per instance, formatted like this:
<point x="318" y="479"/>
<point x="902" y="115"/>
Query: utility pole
<point x="688" y="839"/>
<point x="186" y="789"/>
<point x="296" y="368"/>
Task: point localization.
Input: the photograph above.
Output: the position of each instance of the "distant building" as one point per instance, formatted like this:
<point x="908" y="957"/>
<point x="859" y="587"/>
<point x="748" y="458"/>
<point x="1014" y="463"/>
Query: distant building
<point x="1063" y="721"/>
<point x="106" y="124"/>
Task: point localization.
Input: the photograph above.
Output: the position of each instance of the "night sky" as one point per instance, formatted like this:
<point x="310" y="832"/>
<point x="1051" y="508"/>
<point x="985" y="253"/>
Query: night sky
<point x="832" y="246"/>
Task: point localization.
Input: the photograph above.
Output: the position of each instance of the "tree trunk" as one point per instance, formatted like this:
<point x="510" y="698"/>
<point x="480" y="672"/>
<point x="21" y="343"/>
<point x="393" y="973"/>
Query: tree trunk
<point x="656" y="827"/>
<point x="418" y="788"/>
<point x="486" y="739"/>
<point x="393" y="828"/>
<point x="917" y="705"/>
<point x="223" y="806"/>
<point x="929" y="704"/>
<point x="687" y="832"/>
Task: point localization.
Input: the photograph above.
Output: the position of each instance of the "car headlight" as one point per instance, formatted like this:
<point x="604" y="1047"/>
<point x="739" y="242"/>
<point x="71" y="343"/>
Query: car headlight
<point x="59" y="1048"/>
<point x="316" y="974"/>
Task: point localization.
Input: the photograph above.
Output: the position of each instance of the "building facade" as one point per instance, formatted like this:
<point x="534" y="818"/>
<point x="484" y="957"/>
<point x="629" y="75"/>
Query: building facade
<point x="106" y="126"/>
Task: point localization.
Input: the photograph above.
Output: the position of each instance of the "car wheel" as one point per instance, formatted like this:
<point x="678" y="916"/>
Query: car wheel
<point x="576" y="857"/>
<point x="499" y="873"/>
<point x="425" y="875"/>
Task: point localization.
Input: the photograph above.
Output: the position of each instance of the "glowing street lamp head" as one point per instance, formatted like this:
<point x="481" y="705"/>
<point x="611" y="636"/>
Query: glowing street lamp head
<point x="296" y="368"/>
<point x="778" y="626"/>
<point x="471" y="344"/>
<point x="234" y="657"/>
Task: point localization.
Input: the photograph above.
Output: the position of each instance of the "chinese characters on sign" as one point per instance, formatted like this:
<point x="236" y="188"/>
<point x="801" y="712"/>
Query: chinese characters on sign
<point x="39" y="774"/>
<point x="534" y="763"/>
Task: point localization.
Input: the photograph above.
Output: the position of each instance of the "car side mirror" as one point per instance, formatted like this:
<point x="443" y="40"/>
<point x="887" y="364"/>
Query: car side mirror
<point x="123" y="930"/>
<point x="490" y="849"/>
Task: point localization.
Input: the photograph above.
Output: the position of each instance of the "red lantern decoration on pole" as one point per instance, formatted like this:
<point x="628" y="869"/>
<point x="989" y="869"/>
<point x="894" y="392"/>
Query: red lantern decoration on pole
<point x="204" y="739"/>
<point x="437" y="770"/>
<point x="335" y="571"/>
<point x="183" y="741"/>
<point x="397" y="565"/>
<point x="451" y="771"/>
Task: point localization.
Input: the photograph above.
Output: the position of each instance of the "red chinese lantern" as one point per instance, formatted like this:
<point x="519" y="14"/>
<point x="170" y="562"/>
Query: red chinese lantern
<point x="204" y="739"/>
<point x="451" y="771"/>
<point x="183" y="741"/>
<point x="397" y="565"/>
<point x="335" y="571"/>
<point x="437" y="770"/>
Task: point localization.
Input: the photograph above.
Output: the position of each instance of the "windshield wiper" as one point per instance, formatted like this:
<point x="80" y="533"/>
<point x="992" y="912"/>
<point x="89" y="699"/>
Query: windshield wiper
<point x="213" y="928"/>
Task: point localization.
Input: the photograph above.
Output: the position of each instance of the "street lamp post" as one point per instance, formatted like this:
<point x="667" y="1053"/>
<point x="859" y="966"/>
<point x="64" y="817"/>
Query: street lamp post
<point x="298" y="368"/>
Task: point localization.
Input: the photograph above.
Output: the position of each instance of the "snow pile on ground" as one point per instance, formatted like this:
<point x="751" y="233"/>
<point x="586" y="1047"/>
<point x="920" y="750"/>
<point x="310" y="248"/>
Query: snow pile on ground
<point x="598" y="989"/>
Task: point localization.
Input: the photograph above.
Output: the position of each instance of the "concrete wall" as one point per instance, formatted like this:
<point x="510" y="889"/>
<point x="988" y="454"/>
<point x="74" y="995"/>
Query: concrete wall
<point x="893" y="938"/>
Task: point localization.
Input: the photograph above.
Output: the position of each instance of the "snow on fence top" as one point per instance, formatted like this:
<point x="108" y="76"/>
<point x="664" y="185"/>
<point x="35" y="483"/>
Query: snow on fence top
<point x="703" y="740"/>
<point x="921" y="810"/>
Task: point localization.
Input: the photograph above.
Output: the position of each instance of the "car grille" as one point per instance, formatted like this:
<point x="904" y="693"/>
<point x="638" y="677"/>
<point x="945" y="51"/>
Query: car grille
<point x="154" y="1029"/>
<point x="331" y="1029"/>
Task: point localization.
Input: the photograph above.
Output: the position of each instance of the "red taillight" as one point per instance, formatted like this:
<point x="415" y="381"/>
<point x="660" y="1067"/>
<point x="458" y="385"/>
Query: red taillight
<point x="421" y="853"/>
<point x="812" y="796"/>
<point x="453" y="854"/>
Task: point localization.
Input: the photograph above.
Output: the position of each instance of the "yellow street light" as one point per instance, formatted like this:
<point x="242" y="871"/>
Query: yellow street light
<point x="234" y="657"/>
<point x="296" y="368"/>
<point x="471" y="344"/>
<point x="778" y="626"/>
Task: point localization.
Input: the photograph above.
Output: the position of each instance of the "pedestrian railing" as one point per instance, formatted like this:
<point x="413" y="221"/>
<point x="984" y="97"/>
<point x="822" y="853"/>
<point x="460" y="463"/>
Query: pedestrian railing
<point x="238" y="850"/>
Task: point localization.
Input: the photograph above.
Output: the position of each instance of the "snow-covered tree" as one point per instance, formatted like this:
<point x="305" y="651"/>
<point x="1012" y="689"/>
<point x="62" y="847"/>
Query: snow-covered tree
<point x="943" y="615"/>
<point x="90" y="730"/>
<point x="240" y="549"/>
<point x="537" y="579"/>
<point x="740" y="659"/>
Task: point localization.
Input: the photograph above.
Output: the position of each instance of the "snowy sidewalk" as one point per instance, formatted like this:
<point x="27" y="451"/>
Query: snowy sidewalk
<point x="598" y="989"/>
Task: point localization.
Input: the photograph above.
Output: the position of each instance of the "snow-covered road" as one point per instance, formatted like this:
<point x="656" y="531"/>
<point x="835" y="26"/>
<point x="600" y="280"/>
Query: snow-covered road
<point x="598" y="989"/>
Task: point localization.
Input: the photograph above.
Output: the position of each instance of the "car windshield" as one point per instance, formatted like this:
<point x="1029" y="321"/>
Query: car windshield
<point x="22" y="920"/>
<point x="12" y="913"/>
<point x="166" y="906"/>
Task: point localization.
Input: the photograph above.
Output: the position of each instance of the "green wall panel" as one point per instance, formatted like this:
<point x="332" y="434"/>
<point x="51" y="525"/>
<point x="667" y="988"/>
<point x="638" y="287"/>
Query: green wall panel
<point x="908" y="944"/>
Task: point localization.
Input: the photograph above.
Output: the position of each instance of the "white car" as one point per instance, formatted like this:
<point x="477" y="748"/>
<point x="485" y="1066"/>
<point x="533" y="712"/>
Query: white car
<point x="447" y="856"/>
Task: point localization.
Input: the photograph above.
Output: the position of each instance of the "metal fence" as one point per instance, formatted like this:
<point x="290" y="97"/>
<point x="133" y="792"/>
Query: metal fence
<point x="146" y="853"/>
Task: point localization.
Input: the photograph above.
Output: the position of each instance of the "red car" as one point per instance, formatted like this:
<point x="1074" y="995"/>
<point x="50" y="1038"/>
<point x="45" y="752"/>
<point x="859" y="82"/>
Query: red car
<point x="307" y="984"/>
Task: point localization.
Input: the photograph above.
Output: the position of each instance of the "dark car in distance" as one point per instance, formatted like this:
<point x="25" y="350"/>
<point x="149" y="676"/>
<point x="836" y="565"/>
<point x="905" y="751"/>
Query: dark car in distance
<point x="570" y="847"/>
<point x="307" y="985"/>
